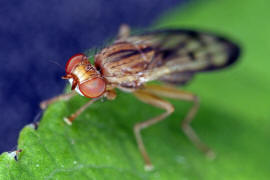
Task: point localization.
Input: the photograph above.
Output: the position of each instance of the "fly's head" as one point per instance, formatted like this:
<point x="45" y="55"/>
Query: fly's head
<point x="84" y="77"/>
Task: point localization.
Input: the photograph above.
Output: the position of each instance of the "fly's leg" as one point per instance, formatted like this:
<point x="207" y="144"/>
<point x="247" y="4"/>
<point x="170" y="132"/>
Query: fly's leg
<point x="171" y="92"/>
<point x="67" y="96"/>
<point x="155" y="101"/>
<point x="123" y="32"/>
<point x="73" y="116"/>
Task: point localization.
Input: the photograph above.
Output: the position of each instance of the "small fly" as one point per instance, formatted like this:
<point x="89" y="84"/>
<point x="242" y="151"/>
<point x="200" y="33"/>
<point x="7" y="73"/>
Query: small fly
<point x="171" y="56"/>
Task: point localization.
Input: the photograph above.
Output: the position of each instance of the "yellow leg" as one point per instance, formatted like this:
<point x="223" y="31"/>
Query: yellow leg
<point x="155" y="101"/>
<point x="150" y="95"/>
<point x="73" y="116"/>
<point x="171" y="92"/>
<point x="67" y="96"/>
<point x="123" y="32"/>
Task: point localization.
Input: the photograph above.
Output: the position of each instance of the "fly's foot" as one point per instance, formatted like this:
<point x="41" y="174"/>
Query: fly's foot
<point x="210" y="154"/>
<point x="149" y="167"/>
<point x="68" y="121"/>
<point x="43" y="105"/>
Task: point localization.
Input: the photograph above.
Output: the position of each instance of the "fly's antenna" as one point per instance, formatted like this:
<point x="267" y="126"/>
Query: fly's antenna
<point x="56" y="63"/>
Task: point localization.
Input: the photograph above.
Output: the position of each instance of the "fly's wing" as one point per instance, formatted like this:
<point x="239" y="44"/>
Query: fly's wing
<point x="186" y="52"/>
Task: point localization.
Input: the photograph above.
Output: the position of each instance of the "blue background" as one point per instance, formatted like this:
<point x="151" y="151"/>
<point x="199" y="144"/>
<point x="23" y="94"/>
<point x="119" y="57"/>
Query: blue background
<point x="34" y="33"/>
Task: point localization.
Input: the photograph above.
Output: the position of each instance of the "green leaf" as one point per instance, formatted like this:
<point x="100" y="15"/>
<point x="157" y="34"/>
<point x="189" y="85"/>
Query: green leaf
<point x="233" y="118"/>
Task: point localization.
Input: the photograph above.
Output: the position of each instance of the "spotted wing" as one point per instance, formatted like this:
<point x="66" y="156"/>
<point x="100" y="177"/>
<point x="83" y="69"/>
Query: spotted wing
<point x="185" y="52"/>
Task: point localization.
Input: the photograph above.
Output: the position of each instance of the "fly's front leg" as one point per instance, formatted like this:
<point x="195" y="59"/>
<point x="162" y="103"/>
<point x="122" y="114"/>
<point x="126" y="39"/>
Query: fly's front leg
<point x="66" y="96"/>
<point x="155" y="101"/>
<point x="73" y="116"/>
<point x="171" y="92"/>
<point x="124" y="32"/>
<point x="110" y="94"/>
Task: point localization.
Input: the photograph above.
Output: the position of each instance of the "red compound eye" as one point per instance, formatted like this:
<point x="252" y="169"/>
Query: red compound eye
<point x="73" y="61"/>
<point x="93" y="88"/>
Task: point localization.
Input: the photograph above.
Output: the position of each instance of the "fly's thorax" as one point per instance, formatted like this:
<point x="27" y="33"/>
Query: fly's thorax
<point x="124" y="58"/>
<point x="122" y="63"/>
<point x="85" y="71"/>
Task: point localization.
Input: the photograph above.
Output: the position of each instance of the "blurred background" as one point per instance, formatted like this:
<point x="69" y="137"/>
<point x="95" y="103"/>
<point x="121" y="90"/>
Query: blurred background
<point x="34" y="34"/>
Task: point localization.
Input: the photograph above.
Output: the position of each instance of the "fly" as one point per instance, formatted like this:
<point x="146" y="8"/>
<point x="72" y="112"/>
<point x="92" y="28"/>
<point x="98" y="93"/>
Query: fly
<point x="171" y="56"/>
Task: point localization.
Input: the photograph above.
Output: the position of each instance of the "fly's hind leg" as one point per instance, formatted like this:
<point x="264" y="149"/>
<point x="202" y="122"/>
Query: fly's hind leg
<point x="124" y="32"/>
<point x="171" y="92"/>
<point x="152" y="99"/>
